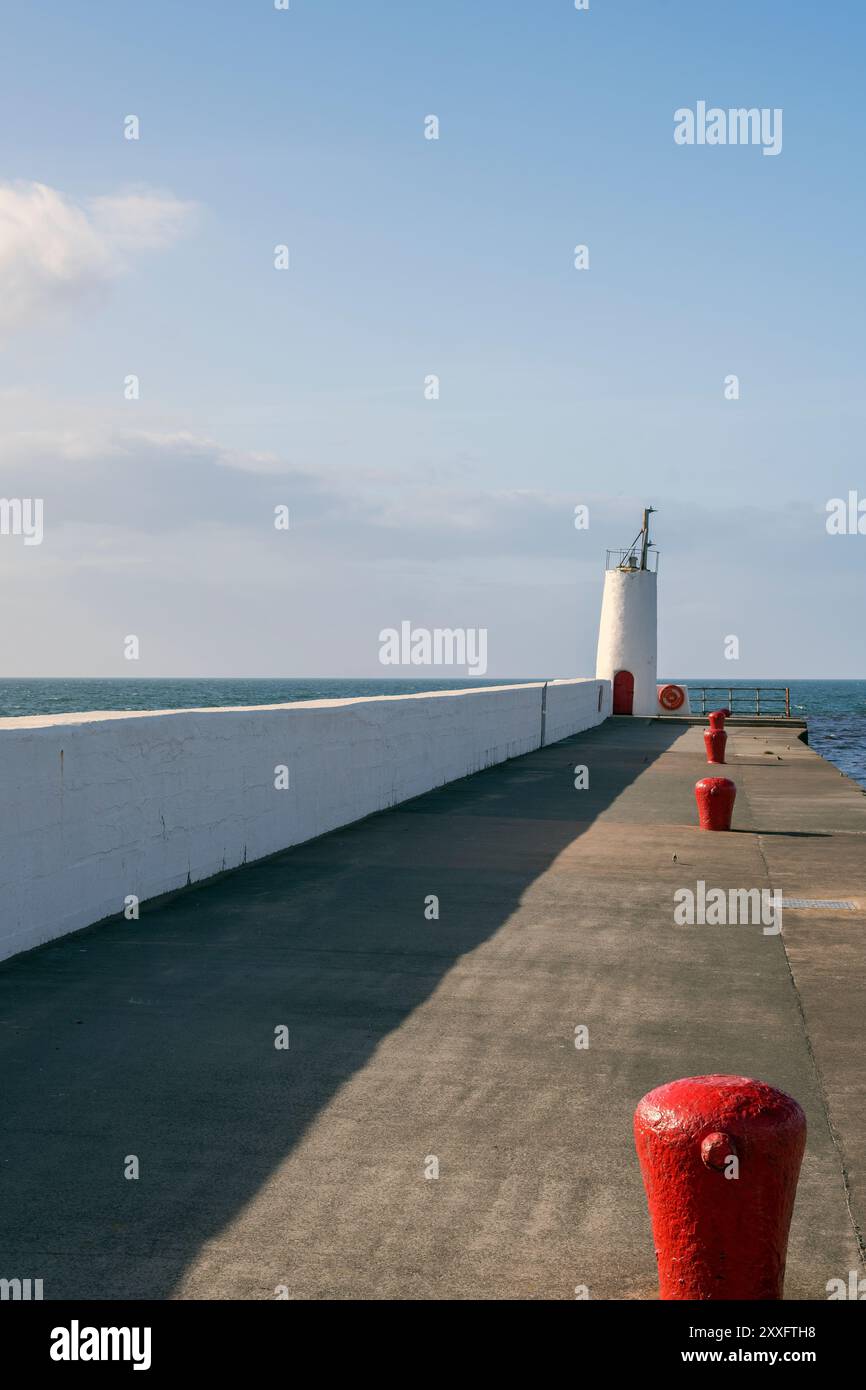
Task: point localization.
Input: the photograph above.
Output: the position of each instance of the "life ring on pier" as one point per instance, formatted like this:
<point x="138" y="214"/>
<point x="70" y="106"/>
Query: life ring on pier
<point x="672" y="697"/>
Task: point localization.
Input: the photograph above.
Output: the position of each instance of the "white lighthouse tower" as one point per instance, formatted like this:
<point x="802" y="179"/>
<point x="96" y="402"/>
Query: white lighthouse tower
<point x="628" y="631"/>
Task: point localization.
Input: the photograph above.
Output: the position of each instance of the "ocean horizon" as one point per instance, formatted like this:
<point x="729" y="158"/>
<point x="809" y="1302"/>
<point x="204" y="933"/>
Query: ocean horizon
<point x="835" y="710"/>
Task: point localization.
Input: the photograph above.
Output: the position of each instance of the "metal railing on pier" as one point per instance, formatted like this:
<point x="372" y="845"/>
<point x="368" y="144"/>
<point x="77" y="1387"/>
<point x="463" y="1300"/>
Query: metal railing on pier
<point x="741" y="699"/>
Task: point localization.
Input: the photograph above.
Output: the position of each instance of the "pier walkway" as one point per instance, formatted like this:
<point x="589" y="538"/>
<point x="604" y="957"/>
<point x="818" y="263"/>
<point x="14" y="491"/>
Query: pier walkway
<point x="413" y="1040"/>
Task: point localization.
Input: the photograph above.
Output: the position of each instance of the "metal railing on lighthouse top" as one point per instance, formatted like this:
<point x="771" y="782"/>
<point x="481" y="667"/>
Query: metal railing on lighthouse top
<point x="630" y="559"/>
<point x="640" y="555"/>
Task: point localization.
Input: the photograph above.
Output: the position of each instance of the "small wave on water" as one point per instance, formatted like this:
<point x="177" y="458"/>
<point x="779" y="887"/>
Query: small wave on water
<point x="841" y="740"/>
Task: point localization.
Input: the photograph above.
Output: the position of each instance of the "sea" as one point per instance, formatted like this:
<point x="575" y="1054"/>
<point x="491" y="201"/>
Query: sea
<point x="834" y="710"/>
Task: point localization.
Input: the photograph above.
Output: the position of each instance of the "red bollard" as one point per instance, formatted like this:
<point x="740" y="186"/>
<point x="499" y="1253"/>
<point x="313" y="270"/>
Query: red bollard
<point x="717" y="718"/>
<point x="714" y="742"/>
<point x="720" y="1157"/>
<point x="715" y="797"/>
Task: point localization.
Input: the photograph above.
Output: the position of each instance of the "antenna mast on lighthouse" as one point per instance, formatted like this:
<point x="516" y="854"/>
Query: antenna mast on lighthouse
<point x="645" y="538"/>
<point x="628" y="557"/>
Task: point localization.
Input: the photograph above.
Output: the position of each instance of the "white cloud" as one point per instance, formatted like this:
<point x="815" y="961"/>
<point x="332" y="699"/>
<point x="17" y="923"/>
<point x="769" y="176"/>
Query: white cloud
<point x="168" y="532"/>
<point x="54" y="251"/>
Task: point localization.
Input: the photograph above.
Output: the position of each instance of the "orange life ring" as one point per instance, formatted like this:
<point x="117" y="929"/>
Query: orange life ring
<point x="672" y="697"/>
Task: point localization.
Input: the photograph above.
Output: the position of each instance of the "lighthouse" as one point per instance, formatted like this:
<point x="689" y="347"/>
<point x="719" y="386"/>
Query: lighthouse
<point x="628" y="631"/>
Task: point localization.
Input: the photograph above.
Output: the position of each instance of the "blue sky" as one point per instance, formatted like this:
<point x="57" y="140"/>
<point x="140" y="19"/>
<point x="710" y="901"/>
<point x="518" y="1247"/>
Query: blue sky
<point x="411" y="257"/>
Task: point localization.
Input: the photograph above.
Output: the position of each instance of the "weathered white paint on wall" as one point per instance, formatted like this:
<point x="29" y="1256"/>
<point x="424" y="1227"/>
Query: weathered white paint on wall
<point x="95" y="807"/>
<point x="627" y="634"/>
<point x="568" y="700"/>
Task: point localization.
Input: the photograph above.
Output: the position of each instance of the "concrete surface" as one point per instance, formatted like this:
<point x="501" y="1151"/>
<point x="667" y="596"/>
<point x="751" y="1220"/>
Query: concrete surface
<point x="412" y="1039"/>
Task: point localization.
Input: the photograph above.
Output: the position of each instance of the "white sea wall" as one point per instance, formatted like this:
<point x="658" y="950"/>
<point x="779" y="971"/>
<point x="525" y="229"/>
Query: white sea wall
<point x="568" y="701"/>
<point x="95" y="808"/>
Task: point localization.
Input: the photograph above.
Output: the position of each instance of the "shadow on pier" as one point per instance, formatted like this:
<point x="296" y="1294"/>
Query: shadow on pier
<point x="154" y="1040"/>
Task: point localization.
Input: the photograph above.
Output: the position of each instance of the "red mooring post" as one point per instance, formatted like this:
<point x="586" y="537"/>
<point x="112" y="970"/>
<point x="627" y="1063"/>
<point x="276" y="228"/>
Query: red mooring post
<point x="720" y="1157"/>
<point x="717" y="718"/>
<point x="714" y="742"/>
<point x="715" y="797"/>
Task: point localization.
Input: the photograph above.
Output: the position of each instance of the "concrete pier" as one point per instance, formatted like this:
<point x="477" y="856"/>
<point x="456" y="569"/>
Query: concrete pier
<point x="452" y="1039"/>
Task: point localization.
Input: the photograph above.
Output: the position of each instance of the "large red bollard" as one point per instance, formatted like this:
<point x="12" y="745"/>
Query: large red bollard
<point x="720" y="1158"/>
<point x="714" y="742"/>
<point x="715" y="797"/>
<point x="717" y="718"/>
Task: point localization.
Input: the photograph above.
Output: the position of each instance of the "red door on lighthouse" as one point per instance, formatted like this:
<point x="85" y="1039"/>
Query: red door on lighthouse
<point x="623" y="692"/>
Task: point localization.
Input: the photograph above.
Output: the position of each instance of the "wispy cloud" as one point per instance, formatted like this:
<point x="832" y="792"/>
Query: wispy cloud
<point x="55" y="251"/>
<point x="165" y="530"/>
